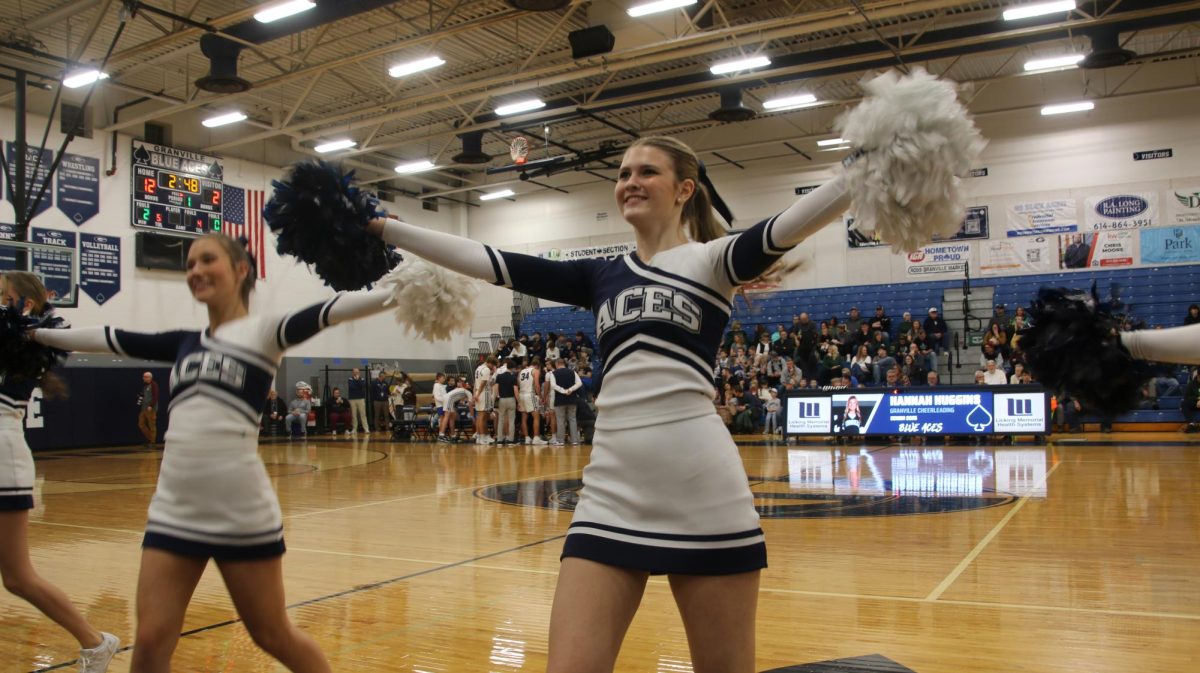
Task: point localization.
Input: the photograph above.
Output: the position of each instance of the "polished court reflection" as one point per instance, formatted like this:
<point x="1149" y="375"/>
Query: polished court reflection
<point x="442" y="558"/>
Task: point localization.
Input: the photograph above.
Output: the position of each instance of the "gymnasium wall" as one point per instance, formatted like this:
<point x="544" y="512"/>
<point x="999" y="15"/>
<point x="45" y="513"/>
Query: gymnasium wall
<point x="153" y="300"/>
<point x="1029" y="158"/>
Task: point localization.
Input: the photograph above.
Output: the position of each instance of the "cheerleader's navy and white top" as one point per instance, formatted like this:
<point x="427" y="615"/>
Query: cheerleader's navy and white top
<point x="665" y="490"/>
<point x="16" y="460"/>
<point x="214" y="498"/>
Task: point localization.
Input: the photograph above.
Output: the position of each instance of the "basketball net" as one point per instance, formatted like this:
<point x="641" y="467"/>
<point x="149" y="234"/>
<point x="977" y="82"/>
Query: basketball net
<point x="519" y="150"/>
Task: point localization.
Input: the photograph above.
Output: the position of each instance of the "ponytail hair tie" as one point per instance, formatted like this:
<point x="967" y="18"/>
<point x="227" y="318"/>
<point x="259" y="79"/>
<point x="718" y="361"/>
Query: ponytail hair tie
<point x="245" y="243"/>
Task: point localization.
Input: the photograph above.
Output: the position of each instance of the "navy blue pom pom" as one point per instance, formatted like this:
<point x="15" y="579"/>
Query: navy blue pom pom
<point x="23" y="358"/>
<point x="320" y="217"/>
<point x="1073" y="346"/>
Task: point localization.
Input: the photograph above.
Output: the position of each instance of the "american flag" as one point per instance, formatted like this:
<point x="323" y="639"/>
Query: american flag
<point x="243" y="217"/>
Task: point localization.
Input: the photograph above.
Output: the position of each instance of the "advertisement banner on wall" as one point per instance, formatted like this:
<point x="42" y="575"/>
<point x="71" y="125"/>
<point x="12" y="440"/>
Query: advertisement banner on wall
<point x="1131" y="210"/>
<point x="938" y="258"/>
<point x="37" y="171"/>
<point x="974" y="226"/>
<point x="589" y="252"/>
<point x="1170" y="245"/>
<point x="1183" y="204"/>
<point x="1038" y="218"/>
<point x="1101" y="249"/>
<point x="1028" y="254"/>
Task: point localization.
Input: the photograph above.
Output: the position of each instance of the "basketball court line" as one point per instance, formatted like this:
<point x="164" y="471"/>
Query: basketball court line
<point x="982" y="544"/>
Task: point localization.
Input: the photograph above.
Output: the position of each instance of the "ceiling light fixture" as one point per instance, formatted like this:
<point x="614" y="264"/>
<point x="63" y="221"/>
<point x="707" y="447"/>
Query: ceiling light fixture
<point x="523" y="106"/>
<point x="415" y="167"/>
<point x="335" y="145"/>
<point x="832" y="141"/>
<point x="1069" y="61"/>
<point x="83" y="78"/>
<point x="656" y="7"/>
<point x="741" y="64"/>
<point x="1040" y="9"/>
<point x="1067" y="107"/>
<point x="282" y="10"/>
<point x="418" y="65"/>
<point x="502" y="194"/>
<point x="222" y="120"/>
<point x="790" y="102"/>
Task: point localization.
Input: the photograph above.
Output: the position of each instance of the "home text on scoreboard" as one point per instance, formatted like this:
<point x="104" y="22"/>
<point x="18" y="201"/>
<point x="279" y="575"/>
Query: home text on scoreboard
<point x="176" y="189"/>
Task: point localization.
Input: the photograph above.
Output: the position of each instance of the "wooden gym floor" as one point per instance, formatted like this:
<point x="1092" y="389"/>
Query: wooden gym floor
<point x="1078" y="555"/>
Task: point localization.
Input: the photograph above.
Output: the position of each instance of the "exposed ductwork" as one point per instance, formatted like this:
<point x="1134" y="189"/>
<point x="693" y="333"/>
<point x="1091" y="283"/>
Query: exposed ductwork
<point x="222" y="74"/>
<point x="472" y="149"/>
<point x="1106" y="49"/>
<point x="732" y="108"/>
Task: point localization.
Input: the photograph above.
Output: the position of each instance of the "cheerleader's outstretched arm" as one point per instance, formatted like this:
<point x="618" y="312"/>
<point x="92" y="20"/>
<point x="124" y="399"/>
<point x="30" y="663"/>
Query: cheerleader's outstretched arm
<point x="1180" y="345"/>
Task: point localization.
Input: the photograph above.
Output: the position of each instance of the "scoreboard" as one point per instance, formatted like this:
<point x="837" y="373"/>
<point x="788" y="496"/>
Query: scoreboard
<point x="176" y="190"/>
<point x="918" y="410"/>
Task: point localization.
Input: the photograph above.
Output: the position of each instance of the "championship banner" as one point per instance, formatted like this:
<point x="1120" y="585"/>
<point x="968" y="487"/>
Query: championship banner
<point x="33" y="183"/>
<point x="938" y="258"/>
<point x="1132" y="210"/>
<point x="99" y="266"/>
<point x="1102" y="249"/>
<point x="590" y="252"/>
<point x="1025" y="255"/>
<point x="1037" y="218"/>
<point x="77" y="185"/>
<point x="55" y="269"/>
<point x="1170" y="245"/>
<point x="1183" y="204"/>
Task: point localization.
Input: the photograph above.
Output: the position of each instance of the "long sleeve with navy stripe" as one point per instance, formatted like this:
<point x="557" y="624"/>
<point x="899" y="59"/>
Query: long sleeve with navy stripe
<point x="567" y="282"/>
<point x="743" y="257"/>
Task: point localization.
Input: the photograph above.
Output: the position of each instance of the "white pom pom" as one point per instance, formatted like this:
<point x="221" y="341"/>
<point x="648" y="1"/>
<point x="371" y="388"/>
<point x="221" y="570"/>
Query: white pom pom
<point x="915" y="140"/>
<point x="430" y="300"/>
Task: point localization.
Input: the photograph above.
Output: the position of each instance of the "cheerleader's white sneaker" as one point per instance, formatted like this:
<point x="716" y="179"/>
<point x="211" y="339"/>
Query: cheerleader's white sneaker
<point x="95" y="660"/>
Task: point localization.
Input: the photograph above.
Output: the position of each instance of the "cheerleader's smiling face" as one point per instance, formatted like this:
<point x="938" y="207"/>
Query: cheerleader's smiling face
<point x="648" y="191"/>
<point x="211" y="276"/>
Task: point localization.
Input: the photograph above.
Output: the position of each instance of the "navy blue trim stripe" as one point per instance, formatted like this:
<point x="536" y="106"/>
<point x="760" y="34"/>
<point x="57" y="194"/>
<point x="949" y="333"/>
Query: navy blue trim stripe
<point x="16" y="488"/>
<point x="729" y="270"/>
<point x="12" y="503"/>
<point x="720" y="537"/>
<point x="666" y="560"/>
<point x="279" y="334"/>
<point x="708" y="291"/>
<point x="14" y="405"/>
<point x="495" y="265"/>
<point x="770" y="240"/>
<point x="108" y="337"/>
<point x="232" y="536"/>
<point x="614" y="359"/>
<point x="324" y="322"/>
<point x="217" y="552"/>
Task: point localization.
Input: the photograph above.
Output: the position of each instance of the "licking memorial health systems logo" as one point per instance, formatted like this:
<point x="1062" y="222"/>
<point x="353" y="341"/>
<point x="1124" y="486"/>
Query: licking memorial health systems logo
<point x="809" y="415"/>
<point x="1020" y="412"/>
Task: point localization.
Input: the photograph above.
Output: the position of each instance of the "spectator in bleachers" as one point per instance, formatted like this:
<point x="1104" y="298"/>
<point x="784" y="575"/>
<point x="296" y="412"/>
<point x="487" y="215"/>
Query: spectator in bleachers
<point x="931" y="378"/>
<point x="773" y="405"/>
<point x="1066" y="413"/>
<point x="924" y="348"/>
<point x="999" y="335"/>
<point x="1021" y="314"/>
<point x="999" y="319"/>
<point x="883" y="362"/>
<point x="906" y="325"/>
<point x="881" y="322"/>
<point x="905" y="381"/>
<point x="791" y="374"/>
<point x="505" y="348"/>
<point x="912" y="368"/>
<point x="762" y="351"/>
<point x="537" y="347"/>
<point x="993" y="375"/>
<point x="1190" y="405"/>
<point x="339" y="412"/>
<point x="775" y="367"/>
<point x="550" y="352"/>
<point x="979" y="378"/>
<point x="1193" y="316"/>
<point x="273" y="412"/>
<point x="739" y="343"/>
<point x="1019" y="323"/>
<point x="734" y="330"/>
<point x="852" y="323"/>
<point x="831" y="364"/>
<point x="847" y="380"/>
<point x="759" y="331"/>
<point x="879" y="340"/>
<point x="1018" y="376"/>
<point x="1161" y="385"/>
<point x="748" y="411"/>
<point x="779" y="333"/>
<point x="296" y="422"/>
<point x="518" y="349"/>
<point x="891" y="378"/>
<point x="843" y="336"/>
<point x="990" y="353"/>
<point x="864" y="336"/>
<point x="584" y="346"/>
<point x="786" y="346"/>
<point x="937" y="331"/>
<point x="860" y="363"/>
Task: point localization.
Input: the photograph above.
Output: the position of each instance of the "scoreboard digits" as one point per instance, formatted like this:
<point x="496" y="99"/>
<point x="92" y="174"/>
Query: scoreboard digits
<point x="176" y="189"/>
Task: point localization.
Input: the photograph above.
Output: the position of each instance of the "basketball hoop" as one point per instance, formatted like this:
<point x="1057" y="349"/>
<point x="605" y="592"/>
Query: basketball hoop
<point x="519" y="150"/>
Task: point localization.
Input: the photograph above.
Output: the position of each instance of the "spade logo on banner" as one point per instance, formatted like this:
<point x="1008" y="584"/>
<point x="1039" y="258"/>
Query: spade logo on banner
<point x="141" y="156"/>
<point x="979" y="418"/>
<point x="77" y="186"/>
